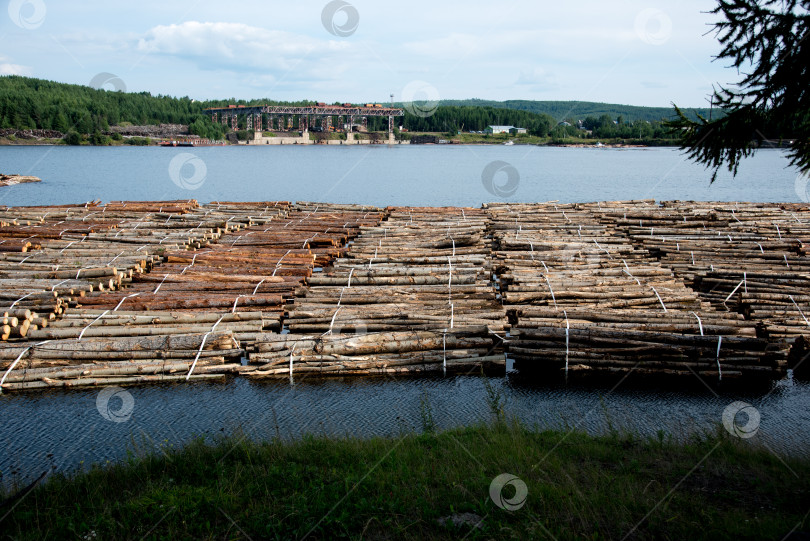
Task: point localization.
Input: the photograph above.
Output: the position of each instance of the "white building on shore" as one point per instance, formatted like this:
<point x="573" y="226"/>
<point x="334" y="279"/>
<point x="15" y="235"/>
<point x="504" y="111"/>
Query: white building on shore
<point x="504" y="129"/>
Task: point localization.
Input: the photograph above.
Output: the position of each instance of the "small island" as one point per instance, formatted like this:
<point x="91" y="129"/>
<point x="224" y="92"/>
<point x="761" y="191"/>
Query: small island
<point x="10" y="180"/>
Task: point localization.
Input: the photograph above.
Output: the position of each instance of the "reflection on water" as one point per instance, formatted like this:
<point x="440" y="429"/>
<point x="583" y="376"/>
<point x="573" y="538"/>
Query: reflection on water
<point x="63" y="430"/>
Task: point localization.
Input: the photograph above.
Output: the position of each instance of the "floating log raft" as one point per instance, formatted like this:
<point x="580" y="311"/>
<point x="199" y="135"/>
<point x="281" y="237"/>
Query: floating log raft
<point x="57" y="255"/>
<point x="422" y="270"/>
<point x="582" y="296"/>
<point x="467" y="350"/>
<point x="741" y="257"/>
<point x="257" y="267"/>
<point x="118" y="360"/>
<point x="132" y="292"/>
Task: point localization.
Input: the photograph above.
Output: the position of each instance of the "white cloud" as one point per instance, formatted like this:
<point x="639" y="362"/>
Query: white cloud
<point x="517" y="49"/>
<point x="235" y="46"/>
<point x="7" y="68"/>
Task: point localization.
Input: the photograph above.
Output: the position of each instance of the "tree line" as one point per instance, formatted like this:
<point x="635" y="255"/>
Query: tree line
<point x="28" y="103"/>
<point x="573" y="110"/>
<point x="85" y="113"/>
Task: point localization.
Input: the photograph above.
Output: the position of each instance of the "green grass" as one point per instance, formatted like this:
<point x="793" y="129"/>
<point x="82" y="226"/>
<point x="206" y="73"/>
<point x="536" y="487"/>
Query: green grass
<point x="579" y="487"/>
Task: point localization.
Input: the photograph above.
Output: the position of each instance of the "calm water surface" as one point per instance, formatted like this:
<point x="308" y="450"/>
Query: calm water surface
<point x="62" y="430"/>
<point x="382" y="175"/>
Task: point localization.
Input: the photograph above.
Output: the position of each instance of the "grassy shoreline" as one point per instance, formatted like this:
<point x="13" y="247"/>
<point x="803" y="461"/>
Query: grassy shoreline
<point x="579" y="486"/>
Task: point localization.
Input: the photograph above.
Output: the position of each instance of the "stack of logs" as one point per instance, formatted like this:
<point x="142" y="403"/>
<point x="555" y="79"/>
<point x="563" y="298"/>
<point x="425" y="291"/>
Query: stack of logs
<point x="254" y="270"/>
<point x="379" y="353"/>
<point x="132" y="292"/>
<point x="583" y="298"/>
<point x="237" y="265"/>
<point x="118" y="360"/>
<point x="422" y="270"/>
<point x="50" y="257"/>
<point x="742" y="257"/>
<point x="79" y="252"/>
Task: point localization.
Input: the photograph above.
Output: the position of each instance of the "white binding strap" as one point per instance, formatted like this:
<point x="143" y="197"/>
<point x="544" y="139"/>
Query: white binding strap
<point x="236" y="300"/>
<point x="13" y="304"/>
<point x="116" y="257"/>
<point x="659" y="299"/>
<point x="10" y="368"/>
<point x="202" y="345"/>
<point x="53" y="288"/>
<point x="444" y="353"/>
<point x="627" y="270"/>
<point x="257" y="286"/>
<point x="733" y="291"/>
<point x="20" y="356"/>
<point x="122" y="301"/>
<point x="552" y="291"/>
<point x="700" y="324"/>
<point x="160" y="284"/>
<point x="193" y="259"/>
<point x="91" y="323"/>
<point x="449" y="279"/>
<point x="278" y="264"/>
<point x="799" y="309"/>
<point x="66" y="246"/>
<point x="291" y="362"/>
<point x="332" y="324"/>
<point x="719" y="369"/>
<point x="603" y="249"/>
<point x="341" y="295"/>
<point x="567" y="331"/>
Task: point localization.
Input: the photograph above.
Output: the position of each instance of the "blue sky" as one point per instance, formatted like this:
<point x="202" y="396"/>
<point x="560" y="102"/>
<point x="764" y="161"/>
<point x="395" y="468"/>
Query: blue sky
<point x="632" y="52"/>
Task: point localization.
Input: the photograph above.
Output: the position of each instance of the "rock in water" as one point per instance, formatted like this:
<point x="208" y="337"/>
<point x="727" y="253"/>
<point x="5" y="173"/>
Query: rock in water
<point x="9" y="180"/>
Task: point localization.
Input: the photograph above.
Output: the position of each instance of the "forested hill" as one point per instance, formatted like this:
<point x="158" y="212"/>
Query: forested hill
<point x="578" y="110"/>
<point x="28" y="103"/>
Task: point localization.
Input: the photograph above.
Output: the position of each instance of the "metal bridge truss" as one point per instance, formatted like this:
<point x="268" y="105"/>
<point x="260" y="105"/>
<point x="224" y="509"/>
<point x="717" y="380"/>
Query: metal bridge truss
<point x="283" y="116"/>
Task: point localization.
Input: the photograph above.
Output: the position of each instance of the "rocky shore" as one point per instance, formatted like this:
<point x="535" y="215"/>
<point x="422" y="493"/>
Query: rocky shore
<point x="158" y="131"/>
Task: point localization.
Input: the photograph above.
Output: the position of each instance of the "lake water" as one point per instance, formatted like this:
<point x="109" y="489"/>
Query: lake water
<point x="62" y="430"/>
<point x="434" y="175"/>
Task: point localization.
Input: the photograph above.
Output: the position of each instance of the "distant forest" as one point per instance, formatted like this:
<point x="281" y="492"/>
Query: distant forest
<point x="578" y="110"/>
<point x="75" y="110"/>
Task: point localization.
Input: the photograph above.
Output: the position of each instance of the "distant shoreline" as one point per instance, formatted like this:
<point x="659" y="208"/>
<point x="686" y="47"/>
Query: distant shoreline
<point x="6" y="143"/>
